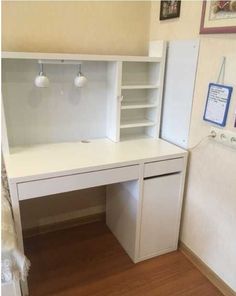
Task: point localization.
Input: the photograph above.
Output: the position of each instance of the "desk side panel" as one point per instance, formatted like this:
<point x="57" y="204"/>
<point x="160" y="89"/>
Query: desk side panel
<point x="122" y="207"/>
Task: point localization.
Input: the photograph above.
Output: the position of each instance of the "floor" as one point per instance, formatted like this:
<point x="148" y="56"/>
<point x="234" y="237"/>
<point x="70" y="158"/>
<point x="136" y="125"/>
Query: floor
<point x="88" y="260"/>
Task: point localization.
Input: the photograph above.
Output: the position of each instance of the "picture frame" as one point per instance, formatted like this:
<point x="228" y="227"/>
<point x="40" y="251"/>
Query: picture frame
<point x="218" y="17"/>
<point x="169" y="9"/>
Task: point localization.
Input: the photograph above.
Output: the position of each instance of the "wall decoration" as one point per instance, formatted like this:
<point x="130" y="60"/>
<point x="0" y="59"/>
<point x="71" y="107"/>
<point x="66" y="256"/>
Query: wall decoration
<point x="217" y="104"/>
<point x="169" y="9"/>
<point x="218" y="17"/>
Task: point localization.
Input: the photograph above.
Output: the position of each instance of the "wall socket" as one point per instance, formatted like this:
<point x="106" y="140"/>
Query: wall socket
<point x="224" y="137"/>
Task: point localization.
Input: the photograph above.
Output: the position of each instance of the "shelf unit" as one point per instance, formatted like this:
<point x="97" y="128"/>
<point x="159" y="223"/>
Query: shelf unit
<point x="141" y="96"/>
<point x="137" y="105"/>
<point x="121" y="100"/>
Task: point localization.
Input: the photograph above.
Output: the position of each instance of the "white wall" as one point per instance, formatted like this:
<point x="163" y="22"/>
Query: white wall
<point x="209" y="219"/>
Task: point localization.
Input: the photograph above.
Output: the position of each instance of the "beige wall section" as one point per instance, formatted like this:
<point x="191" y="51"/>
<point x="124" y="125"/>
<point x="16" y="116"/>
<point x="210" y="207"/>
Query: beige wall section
<point x="109" y="27"/>
<point x="209" y="220"/>
<point x="185" y="27"/>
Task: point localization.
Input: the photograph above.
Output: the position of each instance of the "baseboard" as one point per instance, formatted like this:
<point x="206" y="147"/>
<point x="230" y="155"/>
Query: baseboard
<point x="211" y="275"/>
<point x="37" y="230"/>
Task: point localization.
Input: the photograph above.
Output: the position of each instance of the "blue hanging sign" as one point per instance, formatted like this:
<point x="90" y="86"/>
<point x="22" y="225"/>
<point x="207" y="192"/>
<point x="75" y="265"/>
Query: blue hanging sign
<point x="217" y="104"/>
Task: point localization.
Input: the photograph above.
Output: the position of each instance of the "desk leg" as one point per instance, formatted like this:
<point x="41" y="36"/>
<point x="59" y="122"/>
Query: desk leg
<point x="18" y="228"/>
<point x="122" y="208"/>
<point x="123" y="213"/>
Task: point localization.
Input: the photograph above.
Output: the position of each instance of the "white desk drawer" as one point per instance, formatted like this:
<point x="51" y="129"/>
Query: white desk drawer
<point x="55" y="185"/>
<point x="163" y="167"/>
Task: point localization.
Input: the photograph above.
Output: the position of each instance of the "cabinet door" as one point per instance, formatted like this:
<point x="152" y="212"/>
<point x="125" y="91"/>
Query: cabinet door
<point x="160" y="215"/>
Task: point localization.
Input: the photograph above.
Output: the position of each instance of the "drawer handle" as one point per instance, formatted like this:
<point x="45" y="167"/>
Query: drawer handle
<point x="162" y="175"/>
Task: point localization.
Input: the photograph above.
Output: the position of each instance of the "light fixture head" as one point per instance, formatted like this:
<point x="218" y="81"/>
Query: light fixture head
<point x="41" y="79"/>
<point x="80" y="80"/>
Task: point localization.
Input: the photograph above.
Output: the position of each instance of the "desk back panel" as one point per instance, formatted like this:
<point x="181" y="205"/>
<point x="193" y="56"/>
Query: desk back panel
<point x="58" y="113"/>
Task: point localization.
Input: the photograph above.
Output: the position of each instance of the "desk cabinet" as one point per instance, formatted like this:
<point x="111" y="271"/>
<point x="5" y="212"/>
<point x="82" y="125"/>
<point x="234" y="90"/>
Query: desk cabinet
<point x="160" y="215"/>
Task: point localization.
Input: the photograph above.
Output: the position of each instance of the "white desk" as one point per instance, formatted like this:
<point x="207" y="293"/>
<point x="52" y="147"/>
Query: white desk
<point x="138" y="203"/>
<point x="53" y="160"/>
<point x="135" y="200"/>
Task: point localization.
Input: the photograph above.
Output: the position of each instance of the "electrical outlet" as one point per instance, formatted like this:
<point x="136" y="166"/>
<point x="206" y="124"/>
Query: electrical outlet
<point x="224" y="137"/>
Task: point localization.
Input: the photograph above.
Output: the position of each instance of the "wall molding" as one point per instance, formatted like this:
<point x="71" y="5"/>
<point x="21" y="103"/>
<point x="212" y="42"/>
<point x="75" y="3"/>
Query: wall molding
<point x="58" y="218"/>
<point x="64" y="224"/>
<point x="206" y="271"/>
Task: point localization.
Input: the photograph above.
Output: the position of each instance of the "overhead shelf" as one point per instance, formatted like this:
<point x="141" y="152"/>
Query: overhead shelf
<point x="78" y="57"/>
<point x="133" y="86"/>
<point x="137" y="105"/>
<point x="136" y="123"/>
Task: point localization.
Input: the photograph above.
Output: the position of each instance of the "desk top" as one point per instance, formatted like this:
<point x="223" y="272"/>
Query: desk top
<point x="52" y="160"/>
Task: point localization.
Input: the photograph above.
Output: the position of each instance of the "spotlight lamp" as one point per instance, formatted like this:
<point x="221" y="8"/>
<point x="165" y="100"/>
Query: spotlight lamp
<point x="41" y="79"/>
<point x="80" y="80"/>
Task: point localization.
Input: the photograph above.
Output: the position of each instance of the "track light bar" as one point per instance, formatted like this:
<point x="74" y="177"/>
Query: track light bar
<point x="59" y="62"/>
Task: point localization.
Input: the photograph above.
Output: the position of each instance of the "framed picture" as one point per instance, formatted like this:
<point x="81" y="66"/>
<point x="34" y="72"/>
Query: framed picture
<point x="218" y="17"/>
<point x="169" y="9"/>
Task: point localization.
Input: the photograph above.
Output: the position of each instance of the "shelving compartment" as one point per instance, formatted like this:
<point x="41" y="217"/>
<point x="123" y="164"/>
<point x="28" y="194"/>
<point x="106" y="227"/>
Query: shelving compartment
<point x="138" y="123"/>
<point x="134" y="133"/>
<point x="139" y="113"/>
<point x="139" y="98"/>
<point x="137" y="118"/>
<point x="140" y="75"/>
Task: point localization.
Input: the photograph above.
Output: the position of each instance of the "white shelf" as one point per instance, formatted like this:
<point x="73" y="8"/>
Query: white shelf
<point x="136" y="123"/>
<point x="137" y="105"/>
<point x="77" y="57"/>
<point x="136" y="136"/>
<point x="142" y="86"/>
